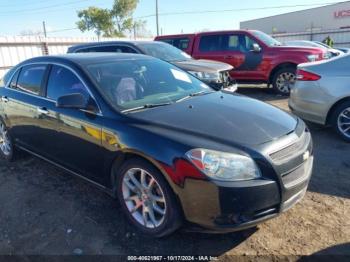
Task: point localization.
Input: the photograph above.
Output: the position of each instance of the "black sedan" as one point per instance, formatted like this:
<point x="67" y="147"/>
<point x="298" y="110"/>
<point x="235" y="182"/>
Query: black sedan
<point x="169" y="147"/>
<point x="215" y="74"/>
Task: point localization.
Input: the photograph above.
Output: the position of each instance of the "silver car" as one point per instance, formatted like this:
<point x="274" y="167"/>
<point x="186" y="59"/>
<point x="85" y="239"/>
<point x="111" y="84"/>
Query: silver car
<point x="322" y="94"/>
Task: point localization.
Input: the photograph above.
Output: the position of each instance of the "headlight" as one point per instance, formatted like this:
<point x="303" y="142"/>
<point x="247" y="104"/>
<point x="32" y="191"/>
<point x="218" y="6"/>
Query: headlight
<point x="312" y="58"/>
<point x="205" y="75"/>
<point x="224" y="166"/>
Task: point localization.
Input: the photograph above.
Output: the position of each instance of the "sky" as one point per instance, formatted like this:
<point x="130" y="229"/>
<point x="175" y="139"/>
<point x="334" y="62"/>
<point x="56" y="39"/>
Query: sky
<point x="22" y="16"/>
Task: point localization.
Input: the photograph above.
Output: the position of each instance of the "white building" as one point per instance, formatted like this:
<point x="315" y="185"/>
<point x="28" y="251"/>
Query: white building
<point x="329" y="17"/>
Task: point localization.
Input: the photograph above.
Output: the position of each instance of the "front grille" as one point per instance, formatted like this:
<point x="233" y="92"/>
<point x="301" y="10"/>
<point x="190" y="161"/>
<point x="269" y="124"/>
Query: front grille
<point x="293" y="149"/>
<point x="298" y="175"/>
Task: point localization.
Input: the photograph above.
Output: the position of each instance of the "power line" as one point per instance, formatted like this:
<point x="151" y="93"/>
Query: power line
<point x="25" y="3"/>
<point x="46" y="7"/>
<point x="235" y="10"/>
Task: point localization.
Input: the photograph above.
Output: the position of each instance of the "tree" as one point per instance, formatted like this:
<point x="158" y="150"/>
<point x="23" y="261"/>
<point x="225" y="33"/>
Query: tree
<point x="122" y="15"/>
<point x="111" y="22"/>
<point x="97" y="19"/>
<point x="140" y="29"/>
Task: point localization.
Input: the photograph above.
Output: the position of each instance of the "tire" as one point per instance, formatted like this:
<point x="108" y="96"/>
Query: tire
<point x="283" y="80"/>
<point x="340" y="120"/>
<point x="7" y="149"/>
<point x="164" y="222"/>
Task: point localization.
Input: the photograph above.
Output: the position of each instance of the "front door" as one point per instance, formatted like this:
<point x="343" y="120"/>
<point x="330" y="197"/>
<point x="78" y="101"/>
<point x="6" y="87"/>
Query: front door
<point x="77" y="144"/>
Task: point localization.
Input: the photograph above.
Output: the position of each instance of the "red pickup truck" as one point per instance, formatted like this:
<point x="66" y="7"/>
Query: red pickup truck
<point x="255" y="56"/>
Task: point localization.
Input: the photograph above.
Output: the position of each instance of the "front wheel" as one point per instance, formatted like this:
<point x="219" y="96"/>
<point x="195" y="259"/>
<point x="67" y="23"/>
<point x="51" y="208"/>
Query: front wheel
<point x="147" y="199"/>
<point x="284" y="80"/>
<point x="340" y="120"/>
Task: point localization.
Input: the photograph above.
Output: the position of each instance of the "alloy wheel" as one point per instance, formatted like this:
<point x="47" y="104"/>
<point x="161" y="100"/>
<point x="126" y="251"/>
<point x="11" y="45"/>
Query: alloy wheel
<point x="5" y="142"/>
<point x="285" y="81"/>
<point x="344" y="122"/>
<point x="144" y="198"/>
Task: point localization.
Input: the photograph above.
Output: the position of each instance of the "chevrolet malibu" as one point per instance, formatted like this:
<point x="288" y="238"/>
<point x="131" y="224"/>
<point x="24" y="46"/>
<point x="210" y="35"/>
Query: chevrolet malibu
<point x="172" y="150"/>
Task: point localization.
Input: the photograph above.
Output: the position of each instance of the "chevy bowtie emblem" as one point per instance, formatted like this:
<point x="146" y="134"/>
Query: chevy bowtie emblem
<point x="306" y="155"/>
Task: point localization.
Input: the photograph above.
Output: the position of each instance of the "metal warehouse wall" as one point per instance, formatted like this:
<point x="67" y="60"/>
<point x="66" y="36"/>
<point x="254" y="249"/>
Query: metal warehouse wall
<point x="14" y="49"/>
<point x="341" y="37"/>
<point x="334" y="16"/>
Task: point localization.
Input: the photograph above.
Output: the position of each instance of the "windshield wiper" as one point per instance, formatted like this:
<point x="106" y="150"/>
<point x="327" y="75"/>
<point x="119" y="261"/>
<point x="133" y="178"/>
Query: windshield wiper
<point x="200" y="93"/>
<point x="145" y="107"/>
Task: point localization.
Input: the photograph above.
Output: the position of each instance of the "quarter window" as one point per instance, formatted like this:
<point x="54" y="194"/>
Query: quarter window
<point x="62" y="81"/>
<point x="30" y="79"/>
<point x="13" y="82"/>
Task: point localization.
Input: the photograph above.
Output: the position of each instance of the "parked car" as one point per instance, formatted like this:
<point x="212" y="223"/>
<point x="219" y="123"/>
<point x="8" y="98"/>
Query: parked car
<point x="168" y="146"/>
<point x="255" y="56"/>
<point x="346" y="50"/>
<point x="215" y="74"/>
<point x="329" y="51"/>
<point x="343" y="50"/>
<point x="322" y="94"/>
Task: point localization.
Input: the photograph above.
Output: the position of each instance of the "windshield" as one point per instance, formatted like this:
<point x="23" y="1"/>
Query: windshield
<point x="129" y="84"/>
<point x="268" y="40"/>
<point x="163" y="51"/>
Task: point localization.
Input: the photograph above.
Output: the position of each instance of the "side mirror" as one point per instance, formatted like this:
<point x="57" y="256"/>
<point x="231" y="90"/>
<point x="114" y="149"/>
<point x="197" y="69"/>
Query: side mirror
<point x="256" y="48"/>
<point x="76" y="100"/>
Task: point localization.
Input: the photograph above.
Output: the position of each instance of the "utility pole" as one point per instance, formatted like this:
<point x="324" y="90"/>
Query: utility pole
<point x="157" y="21"/>
<point x="44" y="29"/>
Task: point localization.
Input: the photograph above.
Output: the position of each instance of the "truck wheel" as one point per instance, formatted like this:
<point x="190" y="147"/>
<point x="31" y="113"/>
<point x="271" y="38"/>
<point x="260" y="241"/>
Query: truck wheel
<point x="284" y="80"/>
<point x="340" y="120"/>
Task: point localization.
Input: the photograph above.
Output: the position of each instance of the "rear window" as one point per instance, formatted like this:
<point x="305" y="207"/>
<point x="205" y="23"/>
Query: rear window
<point x="181" y="43"/>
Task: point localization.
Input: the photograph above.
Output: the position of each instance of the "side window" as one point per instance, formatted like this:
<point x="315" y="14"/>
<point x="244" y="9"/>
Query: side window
<point x="237" y="42"/>
<point x="111" y="48"/>
<point x="249" y="43"/>
<point x="125" y="49"/>
<point x="181" y="43"/>
<point x="103" y="49"/>
<point x="30" y="79"/>
<point x="14" y="79"/>
<point x="210" y="43"/>
<point x="62" y="81"/>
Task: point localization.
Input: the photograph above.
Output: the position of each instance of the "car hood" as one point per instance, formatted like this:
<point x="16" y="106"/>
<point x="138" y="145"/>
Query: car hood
<point x="219" y="116"/>
<point x="203" y="65"/>
<point x="305" y="49"/>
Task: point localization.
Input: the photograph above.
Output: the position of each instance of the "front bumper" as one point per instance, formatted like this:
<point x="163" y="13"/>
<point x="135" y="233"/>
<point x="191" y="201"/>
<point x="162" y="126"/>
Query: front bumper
<point x="220" y="207"/>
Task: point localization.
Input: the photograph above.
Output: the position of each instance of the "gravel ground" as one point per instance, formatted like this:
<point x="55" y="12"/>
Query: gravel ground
<point x="48" y="212"/>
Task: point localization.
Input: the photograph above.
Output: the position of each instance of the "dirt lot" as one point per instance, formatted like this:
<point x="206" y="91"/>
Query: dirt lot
<point x="46" y="211"/>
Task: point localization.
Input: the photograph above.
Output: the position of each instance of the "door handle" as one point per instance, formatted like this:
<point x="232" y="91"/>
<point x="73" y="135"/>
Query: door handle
<point x="228" y="57"/>
<point x="42" y="110"/>
<point x="4" y="99"/>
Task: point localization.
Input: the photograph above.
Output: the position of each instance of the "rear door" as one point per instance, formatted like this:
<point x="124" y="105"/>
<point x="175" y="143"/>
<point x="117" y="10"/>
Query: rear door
<point x="24" y="104"/>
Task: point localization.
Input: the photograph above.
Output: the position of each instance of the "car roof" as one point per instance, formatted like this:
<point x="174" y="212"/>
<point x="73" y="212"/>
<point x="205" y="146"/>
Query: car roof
<point x="88" y="58"/>
<point x="106" y="43"/>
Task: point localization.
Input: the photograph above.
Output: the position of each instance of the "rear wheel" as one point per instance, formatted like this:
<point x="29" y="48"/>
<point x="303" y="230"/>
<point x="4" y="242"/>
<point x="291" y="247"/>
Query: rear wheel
<point x="6" y="145"/>
<point x="147" y="199"/>
<point x="341" y="120"/>
<point x="284" y="80"/>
